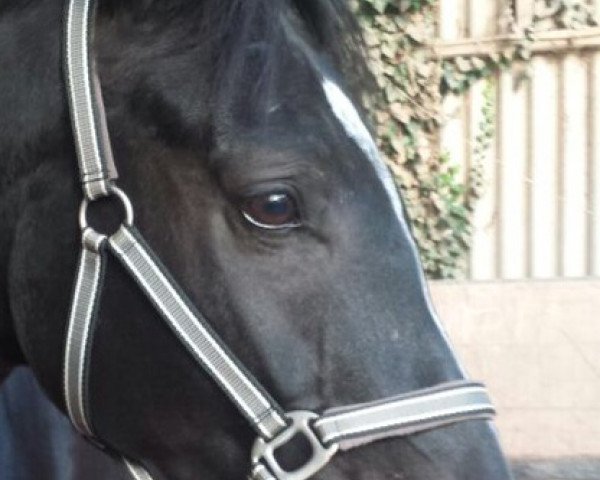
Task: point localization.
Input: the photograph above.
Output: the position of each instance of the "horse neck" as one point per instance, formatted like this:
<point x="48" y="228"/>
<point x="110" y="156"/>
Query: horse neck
<point x="33" y="123"/>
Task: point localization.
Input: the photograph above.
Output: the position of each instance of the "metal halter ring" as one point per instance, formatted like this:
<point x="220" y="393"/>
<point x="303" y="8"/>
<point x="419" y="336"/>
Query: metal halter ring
<point x="263" y="451"/>
<point x="127" y="208"/>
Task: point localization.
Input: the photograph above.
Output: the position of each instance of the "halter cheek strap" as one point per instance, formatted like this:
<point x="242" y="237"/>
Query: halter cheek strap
<point x="327" y="433"/>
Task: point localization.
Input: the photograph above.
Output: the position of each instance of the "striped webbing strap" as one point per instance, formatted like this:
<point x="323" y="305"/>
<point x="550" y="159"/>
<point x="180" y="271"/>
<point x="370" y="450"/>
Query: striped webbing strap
<point x="336" y="429"/>
<point x="88" y="119"/>
<point x="190" y="327"/>
<point x="353" y="426"/>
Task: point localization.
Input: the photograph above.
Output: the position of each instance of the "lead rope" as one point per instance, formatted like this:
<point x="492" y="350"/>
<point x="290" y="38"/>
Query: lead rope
<point x="336" y="429"/>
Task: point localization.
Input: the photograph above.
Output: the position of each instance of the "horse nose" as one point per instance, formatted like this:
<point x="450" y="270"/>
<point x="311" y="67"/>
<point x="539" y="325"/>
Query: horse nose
<point x="469" y="451"/>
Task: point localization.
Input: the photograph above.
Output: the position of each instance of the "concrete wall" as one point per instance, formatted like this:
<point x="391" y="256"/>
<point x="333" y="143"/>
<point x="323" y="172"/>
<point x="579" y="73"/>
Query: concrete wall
<point x="537" y="346"/>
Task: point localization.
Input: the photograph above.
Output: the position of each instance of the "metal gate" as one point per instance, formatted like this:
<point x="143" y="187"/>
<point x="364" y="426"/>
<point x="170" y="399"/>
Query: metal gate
<point x="540" y="213"/>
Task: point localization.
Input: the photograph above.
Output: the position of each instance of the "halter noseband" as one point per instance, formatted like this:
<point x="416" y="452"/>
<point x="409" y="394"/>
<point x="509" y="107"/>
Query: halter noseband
<point x="335" y="429"/>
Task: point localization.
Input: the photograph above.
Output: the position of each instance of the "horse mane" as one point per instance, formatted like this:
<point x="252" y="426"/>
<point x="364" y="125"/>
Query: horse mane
<point x="330" y="24"/>
<point x="335" y="28"/>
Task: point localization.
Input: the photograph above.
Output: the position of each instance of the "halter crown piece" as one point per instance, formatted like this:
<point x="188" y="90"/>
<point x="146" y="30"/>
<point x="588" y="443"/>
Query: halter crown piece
<point x="334" y="430"/>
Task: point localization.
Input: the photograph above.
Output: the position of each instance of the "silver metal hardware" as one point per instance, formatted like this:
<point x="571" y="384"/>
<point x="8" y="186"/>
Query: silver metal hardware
<point x="125" y="202"/>
<point x="301" y="422"/>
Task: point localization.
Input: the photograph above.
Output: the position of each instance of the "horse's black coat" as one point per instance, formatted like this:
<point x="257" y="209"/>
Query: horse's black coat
<point x="208" y="102"/>
<point x="37" y="441"/>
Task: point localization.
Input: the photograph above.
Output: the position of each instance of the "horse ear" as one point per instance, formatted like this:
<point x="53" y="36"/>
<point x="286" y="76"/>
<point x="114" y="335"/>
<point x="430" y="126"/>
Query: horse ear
<point x="335" y="27"/>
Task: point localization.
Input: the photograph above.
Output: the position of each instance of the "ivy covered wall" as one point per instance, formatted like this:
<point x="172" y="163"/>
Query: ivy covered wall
<point x="407" y="120"/>
<point x="412" y="83"/>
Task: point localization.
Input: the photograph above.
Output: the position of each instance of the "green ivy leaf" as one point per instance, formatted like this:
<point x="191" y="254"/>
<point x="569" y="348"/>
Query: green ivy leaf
<point x="408" y="116"/>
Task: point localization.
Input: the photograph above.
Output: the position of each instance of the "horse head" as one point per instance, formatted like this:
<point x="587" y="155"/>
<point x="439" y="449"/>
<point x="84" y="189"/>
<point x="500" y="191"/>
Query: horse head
<point x="240" y="139"/>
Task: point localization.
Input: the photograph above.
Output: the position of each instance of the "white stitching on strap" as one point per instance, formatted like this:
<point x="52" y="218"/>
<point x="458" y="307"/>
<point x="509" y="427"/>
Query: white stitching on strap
<point x="419" y="412"/>
<point x="85" y="297"/>
<point x="87" y="129"/>
<point x="348" y="426"/>
<point x="192" y="331"/>
<point x="137" y="471"/>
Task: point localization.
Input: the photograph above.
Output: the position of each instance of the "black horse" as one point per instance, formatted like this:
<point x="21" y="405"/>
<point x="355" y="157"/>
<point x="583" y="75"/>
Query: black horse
<point x="38" y="442"/>
<point x="234" y="126"/>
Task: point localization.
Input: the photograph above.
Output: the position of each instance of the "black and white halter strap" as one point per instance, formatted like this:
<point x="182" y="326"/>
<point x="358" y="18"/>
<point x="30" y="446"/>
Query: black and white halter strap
<point x="326" y="432"/>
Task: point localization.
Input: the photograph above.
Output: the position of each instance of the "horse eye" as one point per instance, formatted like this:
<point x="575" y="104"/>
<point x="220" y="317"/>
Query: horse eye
<point x="271" y="211"/>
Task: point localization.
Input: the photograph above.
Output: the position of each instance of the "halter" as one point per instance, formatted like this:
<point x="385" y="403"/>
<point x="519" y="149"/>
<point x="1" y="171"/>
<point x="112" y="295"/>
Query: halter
<point x="327" y="433"/>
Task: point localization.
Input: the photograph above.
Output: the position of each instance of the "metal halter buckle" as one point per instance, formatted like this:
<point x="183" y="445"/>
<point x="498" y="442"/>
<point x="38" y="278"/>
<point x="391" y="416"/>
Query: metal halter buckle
<point x="127" y="210"/>
<point x="264" y="451"/>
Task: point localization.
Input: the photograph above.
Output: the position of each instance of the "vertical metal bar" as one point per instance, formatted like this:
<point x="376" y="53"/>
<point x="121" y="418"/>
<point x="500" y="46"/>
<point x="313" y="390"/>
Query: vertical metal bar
<point x="561" y="167"/>
<point x="594" y="166"/>
<point x="528" y="181"/>
<point x="499" y="175"/>
<point x="483" y="250"/>
<point x="512" y="200"/>
<point x="575" y="235"/>
<point x="544" y="165"/>
<point x="468" y="153"/>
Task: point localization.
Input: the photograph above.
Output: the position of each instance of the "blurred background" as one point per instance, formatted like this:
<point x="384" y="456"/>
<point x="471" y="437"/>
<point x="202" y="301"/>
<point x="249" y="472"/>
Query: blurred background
<point x="488" y="112"/>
